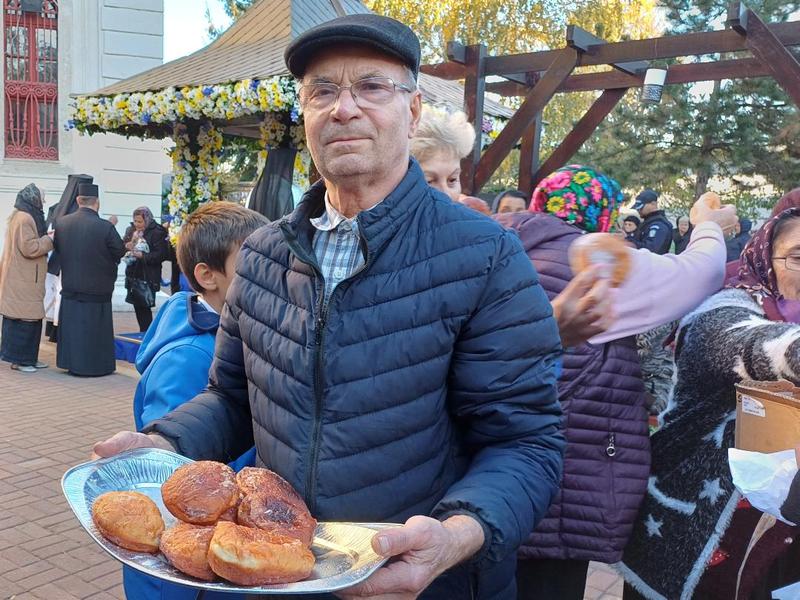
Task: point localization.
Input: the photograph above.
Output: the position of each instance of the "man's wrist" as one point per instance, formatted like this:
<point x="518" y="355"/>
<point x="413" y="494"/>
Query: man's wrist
<point x="467" y="538"/>
<point x="159" y="441"/>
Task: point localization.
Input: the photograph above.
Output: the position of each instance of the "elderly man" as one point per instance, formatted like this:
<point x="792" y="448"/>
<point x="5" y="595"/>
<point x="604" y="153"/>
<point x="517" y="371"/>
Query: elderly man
<point x="397" y="350"/>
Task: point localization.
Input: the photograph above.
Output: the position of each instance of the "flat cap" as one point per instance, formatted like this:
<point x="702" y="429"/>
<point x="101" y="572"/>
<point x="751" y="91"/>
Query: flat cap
<point x="382" y="33"/>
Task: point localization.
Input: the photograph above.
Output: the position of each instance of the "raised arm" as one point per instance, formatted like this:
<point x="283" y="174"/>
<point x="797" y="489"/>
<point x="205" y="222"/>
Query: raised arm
<point x="663" y="288"/>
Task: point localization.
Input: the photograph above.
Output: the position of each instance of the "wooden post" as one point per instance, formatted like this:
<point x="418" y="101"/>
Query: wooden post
<point x="582" y="131"/>
<point x="529" y="156"/>
<point x="525" y="116"/>
<point x="474" y="88"/>
<point x="766" y="46"/>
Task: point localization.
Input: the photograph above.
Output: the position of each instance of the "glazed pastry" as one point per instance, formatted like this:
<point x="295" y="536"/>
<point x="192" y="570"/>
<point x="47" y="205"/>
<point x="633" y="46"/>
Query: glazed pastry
<point x="248" y="556"/>
<point x="186" y="548"/>
<point x="200" y="492"/>
<point x="595" y="249"/>
<point x="275" y="513"/>
<point x="129" y="519"/>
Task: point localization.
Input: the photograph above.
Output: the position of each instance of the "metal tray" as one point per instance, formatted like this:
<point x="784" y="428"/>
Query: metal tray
<point x="343" y="551"/>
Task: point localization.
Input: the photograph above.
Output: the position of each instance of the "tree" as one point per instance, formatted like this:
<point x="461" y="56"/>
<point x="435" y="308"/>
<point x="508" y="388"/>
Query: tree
<point x="737" y="136"/>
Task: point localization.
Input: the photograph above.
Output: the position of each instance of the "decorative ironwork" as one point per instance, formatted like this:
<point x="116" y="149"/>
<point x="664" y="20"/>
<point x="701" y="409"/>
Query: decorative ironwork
<point x="30" y="71"/>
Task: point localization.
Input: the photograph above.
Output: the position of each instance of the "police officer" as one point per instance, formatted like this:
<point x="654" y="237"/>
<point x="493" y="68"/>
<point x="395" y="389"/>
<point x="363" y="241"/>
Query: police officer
<point x="655" y="233"/>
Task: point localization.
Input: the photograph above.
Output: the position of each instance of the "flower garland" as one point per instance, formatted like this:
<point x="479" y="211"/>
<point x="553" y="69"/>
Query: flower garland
<point x="90" y="114"/>
<point x="178" y="199"/>
<point x="206" y="187"/>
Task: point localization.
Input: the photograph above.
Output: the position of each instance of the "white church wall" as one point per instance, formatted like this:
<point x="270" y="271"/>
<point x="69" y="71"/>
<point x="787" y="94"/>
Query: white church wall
<point x="100" y="42"/>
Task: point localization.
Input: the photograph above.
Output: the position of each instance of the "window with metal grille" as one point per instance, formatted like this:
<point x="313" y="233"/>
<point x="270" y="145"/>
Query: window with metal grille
<point x="31" y="78"/>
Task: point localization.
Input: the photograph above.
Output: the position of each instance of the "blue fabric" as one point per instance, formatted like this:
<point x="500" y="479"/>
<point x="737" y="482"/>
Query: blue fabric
<point x="126" y="345"/>
<point x="427" y="385"/>
<point x="184" y="283"/>
<point x="174" y="359"/>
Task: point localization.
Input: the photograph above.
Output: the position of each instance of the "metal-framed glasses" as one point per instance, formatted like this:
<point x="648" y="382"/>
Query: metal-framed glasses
<point x="792" y="263"/>
<point x="369" y="92"/>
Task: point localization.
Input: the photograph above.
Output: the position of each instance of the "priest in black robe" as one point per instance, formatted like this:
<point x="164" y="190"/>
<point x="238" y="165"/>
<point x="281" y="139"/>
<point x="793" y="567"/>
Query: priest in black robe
<point x="90" y="249"/>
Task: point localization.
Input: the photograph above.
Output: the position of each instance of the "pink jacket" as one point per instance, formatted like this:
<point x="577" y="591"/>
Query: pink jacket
<point x="663" y="288"/>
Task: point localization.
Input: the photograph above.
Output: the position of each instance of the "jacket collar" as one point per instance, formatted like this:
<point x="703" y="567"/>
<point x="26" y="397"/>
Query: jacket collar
<point x="376" y="225"/>
<point x="88" y="211"/>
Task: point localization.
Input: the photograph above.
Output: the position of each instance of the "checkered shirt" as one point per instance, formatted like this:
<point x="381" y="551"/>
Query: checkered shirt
<point x="337" y="247"/>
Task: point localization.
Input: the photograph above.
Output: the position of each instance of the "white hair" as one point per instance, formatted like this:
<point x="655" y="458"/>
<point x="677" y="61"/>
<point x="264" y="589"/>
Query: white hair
<point x="442" y="132"/>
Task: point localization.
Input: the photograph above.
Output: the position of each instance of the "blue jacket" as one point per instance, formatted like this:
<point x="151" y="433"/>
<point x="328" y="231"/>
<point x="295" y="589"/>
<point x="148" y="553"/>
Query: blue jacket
<point x="427" y="384"/>
<point x="174" y="360"/>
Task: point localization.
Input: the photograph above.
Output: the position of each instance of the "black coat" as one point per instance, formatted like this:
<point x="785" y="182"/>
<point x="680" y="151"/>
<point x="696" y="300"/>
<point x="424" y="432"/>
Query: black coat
<point x="149" y="266"/>
<point x="655" y="234"/>
<point x="90" y="250"/>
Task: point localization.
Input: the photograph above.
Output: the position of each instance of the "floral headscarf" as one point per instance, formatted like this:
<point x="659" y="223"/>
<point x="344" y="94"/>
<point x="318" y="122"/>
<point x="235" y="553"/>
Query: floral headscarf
<point x="580" y="196"/>
<point x="756" y="274"/>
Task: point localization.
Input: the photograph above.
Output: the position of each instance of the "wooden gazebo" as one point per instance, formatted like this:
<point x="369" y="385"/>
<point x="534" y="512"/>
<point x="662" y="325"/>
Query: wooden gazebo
<point x="538" y="76"/>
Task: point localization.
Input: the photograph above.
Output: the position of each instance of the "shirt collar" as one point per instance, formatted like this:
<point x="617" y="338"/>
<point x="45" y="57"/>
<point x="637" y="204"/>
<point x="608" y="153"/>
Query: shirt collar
<point x="331" y="218"/>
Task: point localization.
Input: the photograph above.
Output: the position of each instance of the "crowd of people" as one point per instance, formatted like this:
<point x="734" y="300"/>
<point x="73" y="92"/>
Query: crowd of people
<point x="402" y="353"/>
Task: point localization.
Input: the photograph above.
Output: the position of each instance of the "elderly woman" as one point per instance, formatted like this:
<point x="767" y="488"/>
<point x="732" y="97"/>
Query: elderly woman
<point x="607" y="460"/>
<point x="441" y="141"/>
<point x="750" y="330"/>
<point x="22" y="275"/>
<point x="148" y="247"/>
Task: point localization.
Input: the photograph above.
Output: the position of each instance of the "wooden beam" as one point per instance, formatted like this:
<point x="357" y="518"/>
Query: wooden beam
<point x="774" y="55"/>
<point x="529" y="156"/>
<point x="689" y="44"/>
<point x="584" y="41"/>
<point x="737" y="17"/>
<point x="525" y="116"/>
<point x="474" y="90"/>
<point x="742" y="68"/>
<point x="582" y="131"/>
<point x="446" y="70"/>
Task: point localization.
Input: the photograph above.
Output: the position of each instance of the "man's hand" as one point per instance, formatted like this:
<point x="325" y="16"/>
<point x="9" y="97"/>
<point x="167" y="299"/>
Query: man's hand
<point x="128" y="440"/>
<point x="137" y="254"/>
<point x="425" y="548"/>
<point x="584" y="308"/>
<point x="725" y="216"/>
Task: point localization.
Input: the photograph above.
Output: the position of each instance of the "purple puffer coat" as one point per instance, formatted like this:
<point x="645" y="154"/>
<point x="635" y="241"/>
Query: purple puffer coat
<point x="607" y="460"/>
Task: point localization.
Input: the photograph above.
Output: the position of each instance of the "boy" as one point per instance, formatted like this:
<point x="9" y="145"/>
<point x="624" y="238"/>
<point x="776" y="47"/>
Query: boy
<point x="177" y="350"/>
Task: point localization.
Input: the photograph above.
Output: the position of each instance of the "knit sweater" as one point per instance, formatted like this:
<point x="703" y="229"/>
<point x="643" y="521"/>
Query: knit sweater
<point x="691" y="497"/>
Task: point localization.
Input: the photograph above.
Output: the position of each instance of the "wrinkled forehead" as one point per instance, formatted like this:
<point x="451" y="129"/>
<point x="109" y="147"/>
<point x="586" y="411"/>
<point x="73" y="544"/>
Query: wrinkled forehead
<point x="352" y="62"/>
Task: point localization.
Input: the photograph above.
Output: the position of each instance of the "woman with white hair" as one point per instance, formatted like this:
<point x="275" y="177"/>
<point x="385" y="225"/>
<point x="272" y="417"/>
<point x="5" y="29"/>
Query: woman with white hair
<point x="441" y="141"/>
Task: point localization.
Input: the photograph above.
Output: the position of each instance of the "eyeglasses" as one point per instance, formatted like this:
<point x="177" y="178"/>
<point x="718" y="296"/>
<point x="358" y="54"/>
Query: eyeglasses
<point x="369" y="92"/>
<point x="792" y="263"/>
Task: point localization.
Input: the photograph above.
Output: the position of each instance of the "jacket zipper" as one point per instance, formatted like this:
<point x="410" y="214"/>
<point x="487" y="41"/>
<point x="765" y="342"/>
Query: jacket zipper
<point x="611" y="449"/>
<point x="321" y="323"/>
<point x="319" y="341"/>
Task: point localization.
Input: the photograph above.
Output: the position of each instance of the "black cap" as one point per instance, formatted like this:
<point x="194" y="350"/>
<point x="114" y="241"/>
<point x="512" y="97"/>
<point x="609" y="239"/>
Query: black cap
<point x="88" y="190"/>
<point x="382" y="33"/>
<point x="646" y="197"/>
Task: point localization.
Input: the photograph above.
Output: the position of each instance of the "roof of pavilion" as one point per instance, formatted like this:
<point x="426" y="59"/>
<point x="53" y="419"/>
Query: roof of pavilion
<point x="250" y="51"/>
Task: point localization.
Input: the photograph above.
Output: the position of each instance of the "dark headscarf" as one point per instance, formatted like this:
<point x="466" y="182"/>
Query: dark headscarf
<point x="756" y="274"/>
<point x="29" y="200"/>
<point x="790" y="200"/>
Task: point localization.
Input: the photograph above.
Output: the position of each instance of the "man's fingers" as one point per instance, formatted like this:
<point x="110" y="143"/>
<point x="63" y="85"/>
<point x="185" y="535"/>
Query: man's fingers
<point x="124" y="440"/>
<point x="395" y="579"/>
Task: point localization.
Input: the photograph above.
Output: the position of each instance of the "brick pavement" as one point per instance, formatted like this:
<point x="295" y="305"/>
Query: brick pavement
<point x="48" y="422"/>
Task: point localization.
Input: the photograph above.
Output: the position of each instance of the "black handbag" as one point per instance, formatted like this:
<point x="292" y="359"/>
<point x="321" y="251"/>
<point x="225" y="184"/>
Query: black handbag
<point x="140" y="293"/>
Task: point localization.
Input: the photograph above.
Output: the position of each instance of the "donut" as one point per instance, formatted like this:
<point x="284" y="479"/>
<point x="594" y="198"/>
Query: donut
<point x="594" y="249"/>
<point x="253" y="480"/>
<point x="247" y="556"/>
<point x="264" y="510"/>
<point x="186" y="548"/>
<point x="129" y="519"/>
<point x="200" y="492"/>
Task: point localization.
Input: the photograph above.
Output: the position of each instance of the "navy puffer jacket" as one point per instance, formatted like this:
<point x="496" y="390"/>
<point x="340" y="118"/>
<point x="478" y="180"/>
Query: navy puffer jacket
<point x="427" y="386"/>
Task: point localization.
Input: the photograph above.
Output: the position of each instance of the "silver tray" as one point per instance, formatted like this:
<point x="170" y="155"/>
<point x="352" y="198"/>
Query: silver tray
<point x="343" y="551"/>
